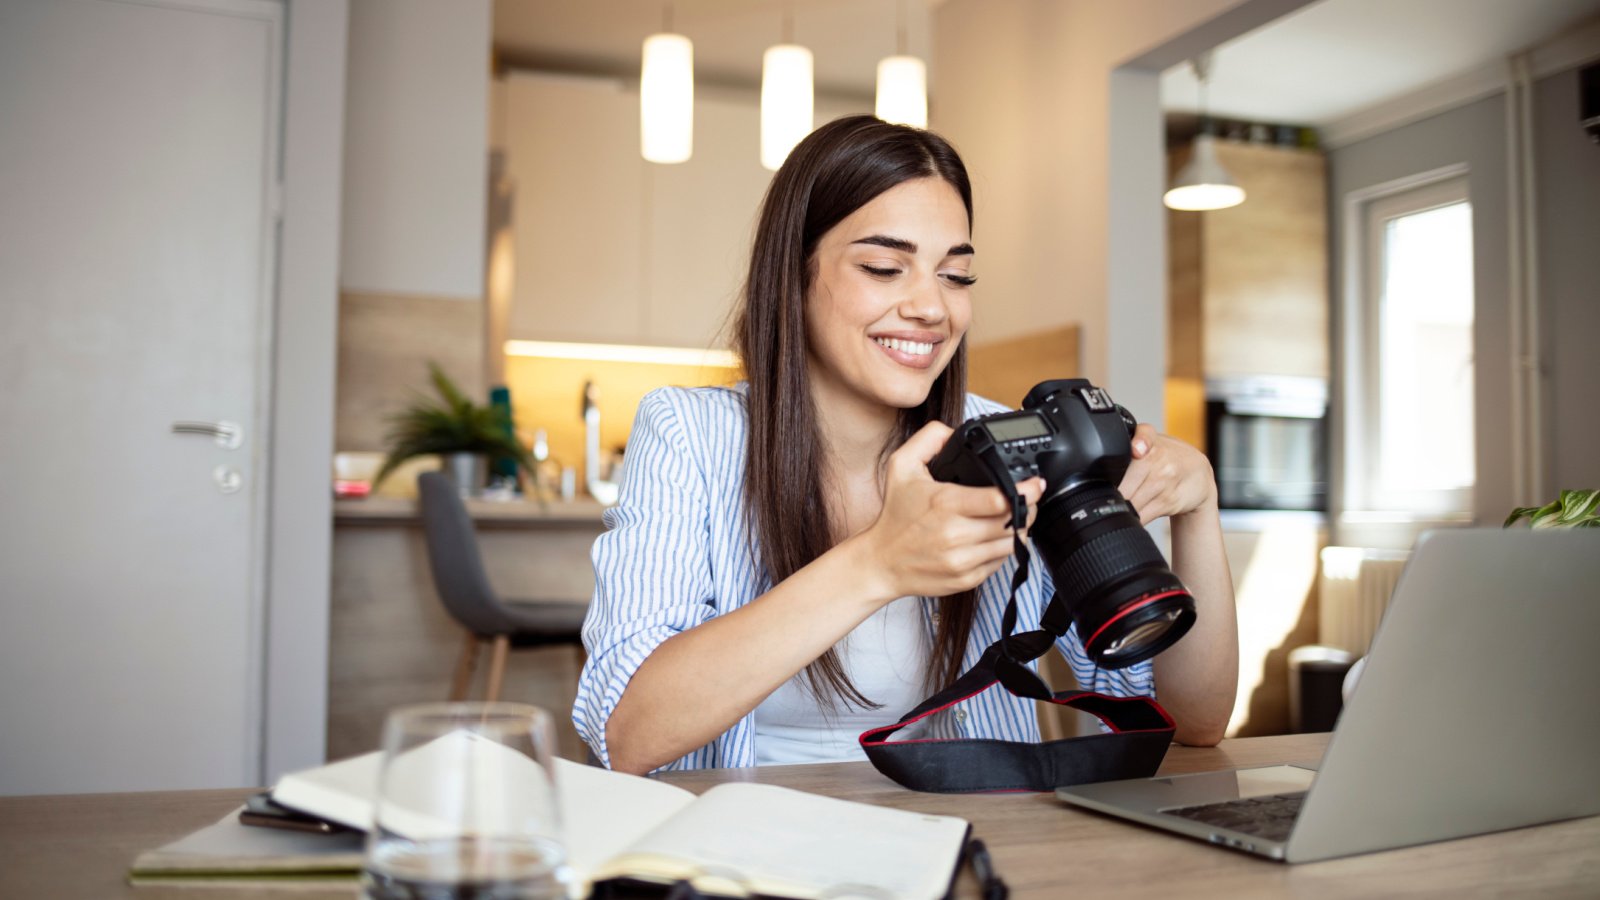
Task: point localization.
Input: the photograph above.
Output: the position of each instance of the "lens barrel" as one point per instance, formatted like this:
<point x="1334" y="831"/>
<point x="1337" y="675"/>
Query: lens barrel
<point x="1127" y="604"/>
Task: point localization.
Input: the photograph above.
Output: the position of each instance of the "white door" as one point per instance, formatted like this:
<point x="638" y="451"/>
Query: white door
<point x="138" y="164"/>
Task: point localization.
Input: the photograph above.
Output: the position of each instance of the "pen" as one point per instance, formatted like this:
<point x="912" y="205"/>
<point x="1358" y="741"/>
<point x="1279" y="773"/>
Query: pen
<point x="983" y="867"/>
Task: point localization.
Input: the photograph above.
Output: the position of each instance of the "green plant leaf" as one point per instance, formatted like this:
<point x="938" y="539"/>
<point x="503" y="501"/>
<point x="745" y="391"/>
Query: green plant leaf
<point x="1580" y="506"/>
<point x="1573" y="509"/>
<point x="451" y="424"/>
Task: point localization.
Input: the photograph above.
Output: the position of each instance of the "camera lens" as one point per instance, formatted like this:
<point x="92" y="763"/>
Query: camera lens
<point x="1125" y="601"/>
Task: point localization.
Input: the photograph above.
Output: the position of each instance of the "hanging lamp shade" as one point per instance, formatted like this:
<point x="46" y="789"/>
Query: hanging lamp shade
<point x="786" y="101"/>
<point x="903" y="91"/>
<point x="1203" y="183"/>
<point x="666" y="99"/>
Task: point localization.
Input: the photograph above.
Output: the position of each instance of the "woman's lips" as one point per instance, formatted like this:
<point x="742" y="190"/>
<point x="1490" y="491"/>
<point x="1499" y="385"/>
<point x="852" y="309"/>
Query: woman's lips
<point x="908" y="357"/>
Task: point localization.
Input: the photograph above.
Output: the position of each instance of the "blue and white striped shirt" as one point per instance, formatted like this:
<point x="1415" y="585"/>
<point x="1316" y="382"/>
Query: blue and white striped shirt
<point x="676" y="554"/>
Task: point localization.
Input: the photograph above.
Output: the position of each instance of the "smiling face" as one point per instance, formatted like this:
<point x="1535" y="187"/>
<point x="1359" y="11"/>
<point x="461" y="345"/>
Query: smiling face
<point x="888" y="303"/>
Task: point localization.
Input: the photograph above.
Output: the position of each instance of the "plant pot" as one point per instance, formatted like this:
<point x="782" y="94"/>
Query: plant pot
<point x="466" y="470"/>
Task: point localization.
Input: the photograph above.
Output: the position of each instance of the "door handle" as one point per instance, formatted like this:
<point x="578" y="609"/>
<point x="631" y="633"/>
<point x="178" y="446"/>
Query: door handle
<point x="228" y="435"/>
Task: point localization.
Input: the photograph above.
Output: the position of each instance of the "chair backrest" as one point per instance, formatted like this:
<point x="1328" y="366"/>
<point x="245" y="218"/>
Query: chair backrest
<point x="453" y="557"/>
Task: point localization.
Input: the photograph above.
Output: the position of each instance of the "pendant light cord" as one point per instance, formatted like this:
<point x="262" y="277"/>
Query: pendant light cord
<point x="900" y="28"/>
<point x="1202" y="74"/>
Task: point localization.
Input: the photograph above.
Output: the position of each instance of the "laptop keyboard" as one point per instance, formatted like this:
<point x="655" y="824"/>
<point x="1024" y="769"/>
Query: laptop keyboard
<point x="1271" y="817"/>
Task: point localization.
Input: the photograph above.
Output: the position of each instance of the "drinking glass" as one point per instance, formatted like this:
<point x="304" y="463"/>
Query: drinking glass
<point x="467" y="806"/>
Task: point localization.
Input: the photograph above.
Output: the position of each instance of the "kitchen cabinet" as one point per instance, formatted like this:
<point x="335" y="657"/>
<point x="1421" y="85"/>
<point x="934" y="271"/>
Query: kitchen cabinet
<point x="613" y="249"/>
<point x="578" y="213"/>
<point x="1248" y="286"/>
<point x="701" y="215"/>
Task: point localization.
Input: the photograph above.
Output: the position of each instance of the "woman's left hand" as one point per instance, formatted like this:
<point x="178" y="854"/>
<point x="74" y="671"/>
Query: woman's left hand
<point x="1167" y="477"/>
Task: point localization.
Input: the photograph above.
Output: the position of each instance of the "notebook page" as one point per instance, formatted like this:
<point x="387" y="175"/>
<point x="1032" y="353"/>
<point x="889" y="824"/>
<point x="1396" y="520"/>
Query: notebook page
<point x="788" y="843"/>
<point x="602" y="812"/>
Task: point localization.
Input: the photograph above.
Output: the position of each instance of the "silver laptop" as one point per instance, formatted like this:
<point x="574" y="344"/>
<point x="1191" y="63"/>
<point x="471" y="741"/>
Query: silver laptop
<point x="1478" y="711"/>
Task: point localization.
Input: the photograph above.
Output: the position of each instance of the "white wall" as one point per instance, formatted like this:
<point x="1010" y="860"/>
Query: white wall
<point x="1567" y="167"/>
<point x="1067" y="166"/>
<point x="415" y="148"/>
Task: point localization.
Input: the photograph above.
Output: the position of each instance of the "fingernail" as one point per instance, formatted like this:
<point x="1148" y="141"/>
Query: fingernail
<point x="1140" y="447"/>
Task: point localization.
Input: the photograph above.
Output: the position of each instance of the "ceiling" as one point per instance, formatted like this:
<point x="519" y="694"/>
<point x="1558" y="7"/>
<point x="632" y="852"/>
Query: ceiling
<point x="1336" y="57"/>
<point x="847" y="37"/>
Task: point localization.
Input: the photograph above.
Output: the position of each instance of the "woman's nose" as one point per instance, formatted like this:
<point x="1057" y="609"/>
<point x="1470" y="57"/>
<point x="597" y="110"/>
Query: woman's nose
<point x="925" y="302"/>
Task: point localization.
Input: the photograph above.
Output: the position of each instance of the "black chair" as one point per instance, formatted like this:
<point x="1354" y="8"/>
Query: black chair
<point x="463" y="586"/>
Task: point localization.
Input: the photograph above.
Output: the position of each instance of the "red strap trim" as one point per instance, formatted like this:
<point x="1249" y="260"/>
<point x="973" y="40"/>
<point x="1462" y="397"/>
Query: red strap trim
<point x="872" y="735"/>
<point x="896" y="726"/>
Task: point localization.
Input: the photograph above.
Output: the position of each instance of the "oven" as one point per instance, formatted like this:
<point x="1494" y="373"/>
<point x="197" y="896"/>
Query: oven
<point x="1267" y="440"/>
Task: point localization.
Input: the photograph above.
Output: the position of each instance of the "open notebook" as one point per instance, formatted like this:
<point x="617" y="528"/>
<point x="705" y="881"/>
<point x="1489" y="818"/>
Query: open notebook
<point x="759" y="838"/>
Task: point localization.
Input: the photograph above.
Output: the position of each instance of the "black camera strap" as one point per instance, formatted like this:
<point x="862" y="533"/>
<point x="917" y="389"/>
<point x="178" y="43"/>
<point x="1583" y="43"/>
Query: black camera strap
<point x="1140" y="729"/>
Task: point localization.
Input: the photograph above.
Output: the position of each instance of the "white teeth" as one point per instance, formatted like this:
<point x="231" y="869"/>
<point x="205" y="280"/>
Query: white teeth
<point x="916" y="348"/>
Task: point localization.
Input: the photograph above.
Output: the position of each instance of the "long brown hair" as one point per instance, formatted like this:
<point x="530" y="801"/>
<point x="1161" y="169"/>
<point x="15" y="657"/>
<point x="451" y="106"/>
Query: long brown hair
<point x="838" y="169"/>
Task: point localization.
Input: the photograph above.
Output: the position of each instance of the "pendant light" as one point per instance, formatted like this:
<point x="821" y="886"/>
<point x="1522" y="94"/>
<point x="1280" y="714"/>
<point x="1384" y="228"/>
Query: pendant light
<point x="786" y="99"/>
<point x="902" y="82"/>
<point x="1203" y="184"/>
<point x="666" y="96"/>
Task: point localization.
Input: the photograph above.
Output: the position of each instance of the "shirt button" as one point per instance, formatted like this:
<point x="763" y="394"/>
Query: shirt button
<point x="961" y="717"/>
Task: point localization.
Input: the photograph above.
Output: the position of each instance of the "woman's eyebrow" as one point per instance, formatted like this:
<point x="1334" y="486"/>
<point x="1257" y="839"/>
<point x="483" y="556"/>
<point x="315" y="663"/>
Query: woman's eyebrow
<point x="905" y="246"/>
<point x="893" y="243"/>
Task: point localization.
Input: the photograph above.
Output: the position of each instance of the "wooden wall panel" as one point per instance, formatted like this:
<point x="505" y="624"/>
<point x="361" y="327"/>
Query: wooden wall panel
<point x="1265" y="276"/>
<point x="1005" y="370"/>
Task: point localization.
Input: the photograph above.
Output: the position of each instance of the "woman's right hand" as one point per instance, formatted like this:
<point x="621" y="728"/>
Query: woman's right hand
<point x="932" y="538"/>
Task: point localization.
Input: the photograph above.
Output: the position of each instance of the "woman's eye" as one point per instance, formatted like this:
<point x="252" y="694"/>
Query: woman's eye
<point x="879" y="271"/>
<point x="963" y="280"/>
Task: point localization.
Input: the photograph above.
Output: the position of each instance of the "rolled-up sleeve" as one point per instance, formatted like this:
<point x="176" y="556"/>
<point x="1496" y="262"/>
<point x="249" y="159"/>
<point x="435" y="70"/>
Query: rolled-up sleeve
<point x="652" y="568"/>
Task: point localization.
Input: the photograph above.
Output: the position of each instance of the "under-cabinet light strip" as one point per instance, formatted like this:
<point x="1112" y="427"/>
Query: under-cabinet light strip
<point x="671" y="356"/>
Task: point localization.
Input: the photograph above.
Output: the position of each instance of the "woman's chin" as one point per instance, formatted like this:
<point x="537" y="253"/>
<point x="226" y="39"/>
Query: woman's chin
<point x="907" y="396"/>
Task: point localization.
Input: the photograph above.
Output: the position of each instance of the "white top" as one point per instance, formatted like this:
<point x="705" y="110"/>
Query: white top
<point x="886" y="657"/>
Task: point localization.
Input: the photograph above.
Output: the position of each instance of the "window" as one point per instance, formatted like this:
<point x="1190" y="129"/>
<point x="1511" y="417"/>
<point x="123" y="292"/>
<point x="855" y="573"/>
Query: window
<point x="1413" y="417"/>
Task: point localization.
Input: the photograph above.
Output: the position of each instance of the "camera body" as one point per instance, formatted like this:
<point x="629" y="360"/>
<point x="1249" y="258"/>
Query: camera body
<point x="1068" y="431"/>
<point x="1126" y="603"/>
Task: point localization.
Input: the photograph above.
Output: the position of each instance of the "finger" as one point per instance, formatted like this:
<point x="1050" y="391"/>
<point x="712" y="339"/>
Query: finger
<point x="1132" y="480"/>
<point x="1144" y="438"/>
<point x="1153" y="502"/>
<point x="923" y="446"/>
<point x="961" y="533"/>
<point x="985" y="572"/>
<point x="1033" y="489"/>
<point x="990" y="553"/>
<point x="1030" y="490"/>
<point x="973" y="502"/>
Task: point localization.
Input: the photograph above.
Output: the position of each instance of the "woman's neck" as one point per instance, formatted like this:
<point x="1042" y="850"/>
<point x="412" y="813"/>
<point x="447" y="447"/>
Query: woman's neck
<point x="854" y="430"/>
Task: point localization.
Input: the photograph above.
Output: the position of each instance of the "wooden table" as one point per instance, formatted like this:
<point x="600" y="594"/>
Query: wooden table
<point x="79" y="846"/>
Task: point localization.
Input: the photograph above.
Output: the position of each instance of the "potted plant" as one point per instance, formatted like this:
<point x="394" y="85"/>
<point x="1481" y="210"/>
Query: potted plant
<point x="1573" y="509"/>
<point x="461" y="432"/>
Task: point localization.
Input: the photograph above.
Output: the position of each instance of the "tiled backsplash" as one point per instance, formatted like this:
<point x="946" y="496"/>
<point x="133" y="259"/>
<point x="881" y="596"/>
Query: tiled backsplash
<point x="385" y="343"/>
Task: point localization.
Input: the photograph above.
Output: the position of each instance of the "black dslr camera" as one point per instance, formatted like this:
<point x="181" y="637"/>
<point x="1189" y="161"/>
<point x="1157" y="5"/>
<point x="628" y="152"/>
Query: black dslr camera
<point x="1126" y="602"/>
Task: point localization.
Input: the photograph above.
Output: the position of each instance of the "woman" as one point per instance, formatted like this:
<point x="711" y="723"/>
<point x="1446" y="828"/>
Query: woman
<point x="781" y="572"/>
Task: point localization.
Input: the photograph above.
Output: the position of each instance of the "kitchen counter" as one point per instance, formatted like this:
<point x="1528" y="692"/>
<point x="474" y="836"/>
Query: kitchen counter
<point x="485" y="513"/>
<point x="391" y="641"/>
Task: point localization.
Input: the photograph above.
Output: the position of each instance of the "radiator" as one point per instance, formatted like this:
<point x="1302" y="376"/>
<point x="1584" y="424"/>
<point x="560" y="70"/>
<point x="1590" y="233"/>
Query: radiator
<point x="1355" y="588"/>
